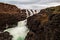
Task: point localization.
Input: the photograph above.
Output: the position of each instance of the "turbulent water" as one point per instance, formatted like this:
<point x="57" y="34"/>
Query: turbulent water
<point x="20" y="31"/>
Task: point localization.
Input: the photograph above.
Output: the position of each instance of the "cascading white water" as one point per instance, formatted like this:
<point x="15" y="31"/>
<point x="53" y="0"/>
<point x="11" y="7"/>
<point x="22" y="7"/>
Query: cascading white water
<point x="31" y="12"/>
<point x="20" y="31"/>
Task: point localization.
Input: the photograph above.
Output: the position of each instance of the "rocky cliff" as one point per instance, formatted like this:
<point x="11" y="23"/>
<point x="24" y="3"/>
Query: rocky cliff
<point x="45" y="25"/>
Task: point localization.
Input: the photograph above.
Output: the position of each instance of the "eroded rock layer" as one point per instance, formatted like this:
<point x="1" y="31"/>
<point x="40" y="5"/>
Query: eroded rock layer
<point x="10" y="15"/>
<point x="45" y="25"/>
<point x="5" y="36"/>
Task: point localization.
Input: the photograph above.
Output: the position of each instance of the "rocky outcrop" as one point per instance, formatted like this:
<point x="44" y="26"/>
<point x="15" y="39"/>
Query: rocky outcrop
<point x="5" y="36"/>
<point x="45" y="25"/>
<point x="10" y="15"/>
<point x="12" y="10"/>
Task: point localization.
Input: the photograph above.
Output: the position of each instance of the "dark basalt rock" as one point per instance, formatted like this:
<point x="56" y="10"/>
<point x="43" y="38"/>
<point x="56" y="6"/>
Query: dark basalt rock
<point x="45" y="25"/>
<point x="10" y="15"/>
<point x="31" y="36"/>
<point x="7" y="21"/>
<point x="5" y="36"/>
<point x="20" y="14"/>
<point x="53" y="27"/>
<point x="36" y="20"/>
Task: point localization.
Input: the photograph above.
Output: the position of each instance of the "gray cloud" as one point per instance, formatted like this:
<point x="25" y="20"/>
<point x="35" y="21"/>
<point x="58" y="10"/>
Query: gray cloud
<point x="34" y="3"/>
<point x="17" y="2"/>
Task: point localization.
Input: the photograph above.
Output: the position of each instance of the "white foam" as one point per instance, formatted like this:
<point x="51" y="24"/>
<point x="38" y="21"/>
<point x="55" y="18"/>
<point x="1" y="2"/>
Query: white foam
<point x="20" y="31"/>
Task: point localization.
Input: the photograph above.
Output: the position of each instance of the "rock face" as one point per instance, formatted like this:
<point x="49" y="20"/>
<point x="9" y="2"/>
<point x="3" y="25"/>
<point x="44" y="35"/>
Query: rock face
<point x="10" y="15"/>
<point x="5" y="36"/>
<point x="45" y="25"/>
<point x="13" y="10"/>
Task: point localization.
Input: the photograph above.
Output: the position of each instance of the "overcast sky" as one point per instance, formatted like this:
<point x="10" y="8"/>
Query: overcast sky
<point x="33" y="4"/>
